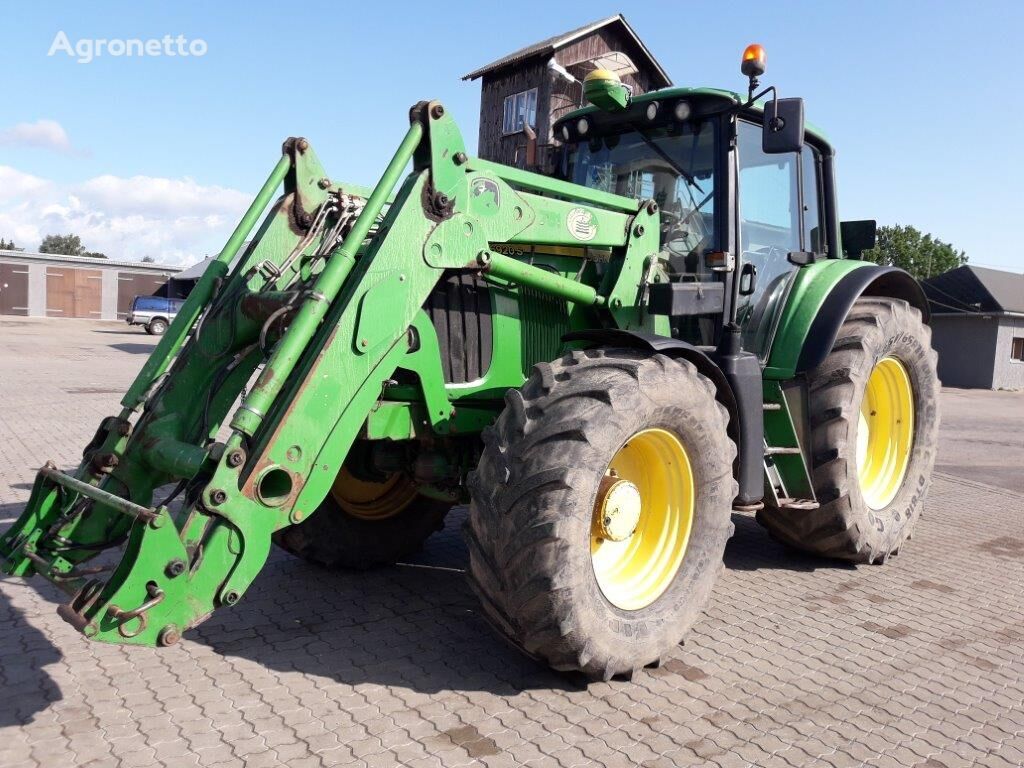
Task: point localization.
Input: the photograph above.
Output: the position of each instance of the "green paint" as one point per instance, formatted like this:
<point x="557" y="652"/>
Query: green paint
<point x="811" y="287"/>
<point x="344" y="351"/>
<point x="780" y="432"/>
<point x="608" y="94"/>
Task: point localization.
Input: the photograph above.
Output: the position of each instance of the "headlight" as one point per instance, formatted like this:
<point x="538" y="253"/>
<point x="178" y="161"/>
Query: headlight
<point x="682" y="110"/>
<point x="565" y="132"/>
<point x="582" y="126"/>
<point x="652" y="110"/>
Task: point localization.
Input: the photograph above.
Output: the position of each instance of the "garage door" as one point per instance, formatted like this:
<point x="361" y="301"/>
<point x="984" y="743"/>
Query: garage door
<point x="73" y="292"/>
<point x="13" y="289"/>
<point x="132" y="284"/>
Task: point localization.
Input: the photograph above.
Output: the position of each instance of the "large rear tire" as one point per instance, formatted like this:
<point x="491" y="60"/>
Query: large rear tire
<point x="362" y="524"/>
<point x="600" y="510"/>
<point x="874" y="417"/>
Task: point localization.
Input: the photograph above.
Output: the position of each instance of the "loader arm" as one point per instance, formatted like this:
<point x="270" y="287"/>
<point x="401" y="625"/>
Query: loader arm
<point x="293" y="347"/>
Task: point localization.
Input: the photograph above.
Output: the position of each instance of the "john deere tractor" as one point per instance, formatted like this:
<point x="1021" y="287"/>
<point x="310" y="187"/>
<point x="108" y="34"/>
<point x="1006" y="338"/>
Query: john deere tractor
<point x="604" y="360"/>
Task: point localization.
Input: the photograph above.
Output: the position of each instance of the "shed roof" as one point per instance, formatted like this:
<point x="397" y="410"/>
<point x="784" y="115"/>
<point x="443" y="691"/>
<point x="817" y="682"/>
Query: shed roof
<point x="195" y="271"/>
<point x="552" y="44"/>
<point x="87" y="261"/>
<point x="970" y="290"/>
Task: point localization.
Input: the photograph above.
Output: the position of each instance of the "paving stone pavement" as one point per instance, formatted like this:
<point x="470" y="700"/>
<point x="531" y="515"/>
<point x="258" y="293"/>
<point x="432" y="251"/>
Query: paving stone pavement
<point x="798" y="662"/>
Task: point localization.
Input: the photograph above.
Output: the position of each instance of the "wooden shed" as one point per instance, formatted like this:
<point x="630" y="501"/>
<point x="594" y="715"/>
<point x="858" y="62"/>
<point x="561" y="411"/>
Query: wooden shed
<point x="536" y="85"/>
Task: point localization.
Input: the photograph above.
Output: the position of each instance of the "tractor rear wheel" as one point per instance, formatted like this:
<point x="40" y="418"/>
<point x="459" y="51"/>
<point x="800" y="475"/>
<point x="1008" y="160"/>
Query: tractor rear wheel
<point x="365" y="523"/>
<point x="874" y="418"/>
<point x="600" y="510"/>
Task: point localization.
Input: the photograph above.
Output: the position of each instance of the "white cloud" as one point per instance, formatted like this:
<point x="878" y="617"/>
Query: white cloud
<point x="15" y="184"/>
<point x="176" y="221"/>
<point x="42" y="134"/>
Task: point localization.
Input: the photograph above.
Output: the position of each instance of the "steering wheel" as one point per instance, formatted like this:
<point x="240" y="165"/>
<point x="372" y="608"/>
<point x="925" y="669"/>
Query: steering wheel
<point x="680" y="237"/>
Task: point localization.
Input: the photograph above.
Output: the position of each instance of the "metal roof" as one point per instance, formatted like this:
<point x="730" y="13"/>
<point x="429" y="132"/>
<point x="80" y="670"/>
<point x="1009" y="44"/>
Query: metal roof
<point x="196" y="270"/>
<point x="552" y="44"/>
<point x="974" y="290"/>
<point x="87" y="261"/>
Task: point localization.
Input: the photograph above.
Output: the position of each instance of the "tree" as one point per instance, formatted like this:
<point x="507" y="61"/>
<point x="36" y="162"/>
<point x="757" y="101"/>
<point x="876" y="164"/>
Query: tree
<point x="148" y="260"/>
<point x="64" y="245"/>
<point x="921" y="255"/>
<point x="7" y="245"/>
<point x="67" y="245"/>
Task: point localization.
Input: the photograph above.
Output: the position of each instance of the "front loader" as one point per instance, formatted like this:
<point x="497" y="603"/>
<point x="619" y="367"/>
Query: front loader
<point x="604" y="359"/>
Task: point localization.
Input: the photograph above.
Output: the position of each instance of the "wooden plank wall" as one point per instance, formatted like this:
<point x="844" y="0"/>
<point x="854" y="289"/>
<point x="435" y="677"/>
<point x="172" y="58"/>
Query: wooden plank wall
<point x="493" y="145"/>
<point x="72" y="292"/>
<point x="556" y="95"/>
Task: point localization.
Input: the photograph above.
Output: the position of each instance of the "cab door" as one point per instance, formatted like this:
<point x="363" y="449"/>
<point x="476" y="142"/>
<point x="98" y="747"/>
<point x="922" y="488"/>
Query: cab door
<point x="779" y="203"/>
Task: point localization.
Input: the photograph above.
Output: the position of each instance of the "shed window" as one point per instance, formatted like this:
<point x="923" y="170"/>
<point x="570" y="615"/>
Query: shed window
<point x="520" y="111"/>
<point x="1017" y="348"/>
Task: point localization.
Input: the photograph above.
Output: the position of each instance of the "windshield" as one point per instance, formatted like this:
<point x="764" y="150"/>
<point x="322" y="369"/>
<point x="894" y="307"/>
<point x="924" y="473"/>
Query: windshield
<point x="675" y="166"/>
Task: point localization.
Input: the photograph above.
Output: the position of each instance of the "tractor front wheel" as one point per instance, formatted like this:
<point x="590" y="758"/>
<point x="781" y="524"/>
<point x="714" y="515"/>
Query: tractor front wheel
<point x="874" y="416"/>
<point x="365" y="523"/>
<point x="600" y="510"/>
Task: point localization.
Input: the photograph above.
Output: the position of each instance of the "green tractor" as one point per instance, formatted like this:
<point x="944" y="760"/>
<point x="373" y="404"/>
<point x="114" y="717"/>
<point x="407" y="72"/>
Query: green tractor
<point x="603" y="360"/>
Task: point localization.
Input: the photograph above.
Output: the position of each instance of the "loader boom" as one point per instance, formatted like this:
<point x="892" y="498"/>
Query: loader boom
<point x="297" y="347"/>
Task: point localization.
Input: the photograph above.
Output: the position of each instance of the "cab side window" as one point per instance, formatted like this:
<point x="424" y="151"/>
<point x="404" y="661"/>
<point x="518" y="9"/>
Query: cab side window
<point x="780" y="204"/>
<point x="813" y="236"/>
<point x="769" y="197"/>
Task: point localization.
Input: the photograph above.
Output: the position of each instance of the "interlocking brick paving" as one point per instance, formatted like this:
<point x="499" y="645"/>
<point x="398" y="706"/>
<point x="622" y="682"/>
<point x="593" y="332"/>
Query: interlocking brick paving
<point x="798" y="662"/>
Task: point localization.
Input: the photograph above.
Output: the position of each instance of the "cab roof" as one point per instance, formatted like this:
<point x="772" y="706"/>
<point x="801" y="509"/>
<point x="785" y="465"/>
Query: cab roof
<point x="704" y="94"/>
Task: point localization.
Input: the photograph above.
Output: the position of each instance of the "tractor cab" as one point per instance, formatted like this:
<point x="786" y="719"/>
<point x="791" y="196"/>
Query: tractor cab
<point x="744" y="193"/>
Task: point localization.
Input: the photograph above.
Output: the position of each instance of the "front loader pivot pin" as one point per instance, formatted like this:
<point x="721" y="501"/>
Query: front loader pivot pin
<point x="169" y="635"/>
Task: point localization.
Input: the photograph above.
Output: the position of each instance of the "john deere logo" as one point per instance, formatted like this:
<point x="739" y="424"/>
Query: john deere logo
<point x="486" y="196"/>
<point x="581" y="224"/>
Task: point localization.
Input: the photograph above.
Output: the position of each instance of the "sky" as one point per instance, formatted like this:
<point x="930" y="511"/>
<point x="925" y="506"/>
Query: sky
<point x="159" y="155"/>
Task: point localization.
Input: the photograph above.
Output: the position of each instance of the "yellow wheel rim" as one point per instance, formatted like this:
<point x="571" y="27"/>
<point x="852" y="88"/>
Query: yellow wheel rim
<point x="642" y="519"/>
<point x="372" y="501"/>
<point x="885" y="434"/>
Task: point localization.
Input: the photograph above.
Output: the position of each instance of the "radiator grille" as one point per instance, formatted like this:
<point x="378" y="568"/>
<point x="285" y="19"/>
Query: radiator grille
<point x="460" y="308"/>
<point x="544" y="319"/>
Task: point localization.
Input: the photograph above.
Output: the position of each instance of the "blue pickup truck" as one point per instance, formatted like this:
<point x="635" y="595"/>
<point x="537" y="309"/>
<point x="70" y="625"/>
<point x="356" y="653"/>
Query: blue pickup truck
<point x="154" y="313"/>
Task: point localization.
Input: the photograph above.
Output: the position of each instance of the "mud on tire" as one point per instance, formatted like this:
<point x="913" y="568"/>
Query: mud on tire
<point x="844" y="526"/>
<point x="533" y="493"/>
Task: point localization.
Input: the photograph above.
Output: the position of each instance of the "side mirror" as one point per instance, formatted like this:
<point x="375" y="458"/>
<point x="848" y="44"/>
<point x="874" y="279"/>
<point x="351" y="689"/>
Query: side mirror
<point x="857" y="237"/>
<point x="783" y="126"/>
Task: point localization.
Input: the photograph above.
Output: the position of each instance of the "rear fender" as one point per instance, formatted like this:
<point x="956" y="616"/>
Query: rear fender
<point x="822" y="297"/>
